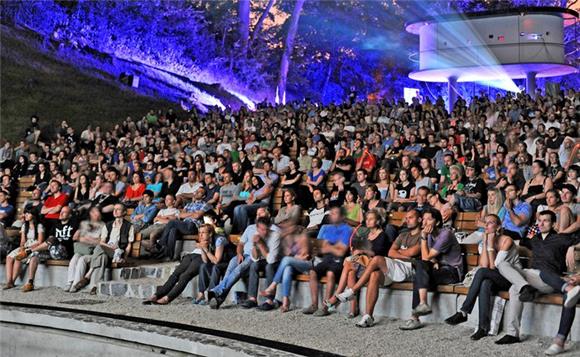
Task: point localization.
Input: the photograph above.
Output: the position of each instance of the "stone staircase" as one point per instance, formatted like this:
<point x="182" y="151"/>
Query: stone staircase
<point x="139" y="282"/>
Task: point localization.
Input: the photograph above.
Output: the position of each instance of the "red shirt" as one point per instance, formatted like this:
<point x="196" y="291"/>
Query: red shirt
<point x="134" y="193"/>
<point x="52" y="201"/>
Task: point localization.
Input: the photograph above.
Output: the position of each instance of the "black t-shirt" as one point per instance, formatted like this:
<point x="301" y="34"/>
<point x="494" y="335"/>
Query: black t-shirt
<point x="404" y="191"/>
<point x="346" y="161"/>
<point x="429" y="151"/>
<point x="169" y="189"/>
<point x="476" y="185"/>
<point x="554" y="143"/>
<point x="64" y="233"/>
<point x="380" y="245"/>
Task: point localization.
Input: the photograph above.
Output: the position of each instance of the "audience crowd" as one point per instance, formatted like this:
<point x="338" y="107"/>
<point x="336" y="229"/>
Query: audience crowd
<point x="339" y="172"/>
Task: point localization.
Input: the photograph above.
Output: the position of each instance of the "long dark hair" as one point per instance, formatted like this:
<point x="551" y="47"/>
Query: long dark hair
<point x="35" y="223"/>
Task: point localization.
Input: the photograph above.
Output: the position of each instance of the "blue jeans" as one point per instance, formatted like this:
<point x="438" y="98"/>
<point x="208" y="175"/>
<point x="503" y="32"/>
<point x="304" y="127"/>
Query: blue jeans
<point x="288" y="267"/>
<point x="233" y="273"/>
<point x="242" y="214"/>
<point x="170" y="235"/>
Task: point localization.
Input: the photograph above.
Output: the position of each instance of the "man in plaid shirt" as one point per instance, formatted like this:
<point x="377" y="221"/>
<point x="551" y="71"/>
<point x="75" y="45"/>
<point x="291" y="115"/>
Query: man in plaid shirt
<point x="187" y="223"/>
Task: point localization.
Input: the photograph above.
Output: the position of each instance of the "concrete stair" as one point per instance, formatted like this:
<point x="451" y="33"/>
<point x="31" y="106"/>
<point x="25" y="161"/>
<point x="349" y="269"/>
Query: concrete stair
<point x="137" y="282"/>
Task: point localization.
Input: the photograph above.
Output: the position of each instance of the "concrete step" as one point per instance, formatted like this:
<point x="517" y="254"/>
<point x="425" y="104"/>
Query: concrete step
<point x="161" y="271"/>
<point x="134" y="288"/>
<point x="140" y="288"/>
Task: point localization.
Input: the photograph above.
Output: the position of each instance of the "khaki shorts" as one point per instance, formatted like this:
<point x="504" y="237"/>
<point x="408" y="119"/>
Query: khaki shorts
<point x="398" y="271"/>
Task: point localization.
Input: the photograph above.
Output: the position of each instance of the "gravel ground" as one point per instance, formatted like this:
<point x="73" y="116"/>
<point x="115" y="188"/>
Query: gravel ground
<point x="334" y="333"/>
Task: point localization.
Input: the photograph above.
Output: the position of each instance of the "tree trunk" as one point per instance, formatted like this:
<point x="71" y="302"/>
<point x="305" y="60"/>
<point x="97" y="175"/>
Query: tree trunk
<point x="244" y="15"/>
<point x="288" y="47"/>
<point x="260" y="22"/>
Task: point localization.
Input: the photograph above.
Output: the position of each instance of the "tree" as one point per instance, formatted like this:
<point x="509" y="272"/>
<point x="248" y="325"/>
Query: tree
<point x="244" y="15"/>
<point x="260" y="22"/>
<point x="288" y="47"/>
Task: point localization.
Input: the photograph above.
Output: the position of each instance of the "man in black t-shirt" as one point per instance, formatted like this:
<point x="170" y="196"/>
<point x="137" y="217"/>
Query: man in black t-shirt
<point x="59" y="243"/>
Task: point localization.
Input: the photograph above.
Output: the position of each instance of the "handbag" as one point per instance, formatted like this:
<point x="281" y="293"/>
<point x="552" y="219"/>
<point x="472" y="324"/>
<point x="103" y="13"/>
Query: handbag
<point x="83" y="248"/>
<point x="469" y="277"/>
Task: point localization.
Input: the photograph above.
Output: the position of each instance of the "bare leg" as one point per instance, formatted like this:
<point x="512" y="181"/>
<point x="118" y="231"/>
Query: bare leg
<point x="32" y="268"/>
<point x="377" y="280"/>
<point x="344" y="276"/>
<point x="422" y="296"/>
<point x="9" y="266"/>
<point x="16" y="270"/>
<point x="377" y="264"/>
<point x="314" y="288"/>
<point x="330" y="281"/>
<point x="354" y="303"/>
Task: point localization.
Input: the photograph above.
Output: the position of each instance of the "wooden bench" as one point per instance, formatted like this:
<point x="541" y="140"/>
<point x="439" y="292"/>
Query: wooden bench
<point x="65" y="263"/>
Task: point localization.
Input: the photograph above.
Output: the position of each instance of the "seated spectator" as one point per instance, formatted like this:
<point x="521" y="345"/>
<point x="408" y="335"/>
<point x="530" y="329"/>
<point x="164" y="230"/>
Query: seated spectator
<point x="535" y="189"/>
<point x="421" y="200"/>
<point x="53" y="205"/>
<point x="367" y="242"/>
<point x="239" y="265"/>
<point x="259" y="197"/>
<point x="82" y="190"/>
<point x="170" y="184"/>
<point x="289" y="214"/>
<point x="441" y="263"/>
<point x="115" y="245"/>
<point x="188" y="188"/>
<point x="473" y="193"/>
<point x="150" y="234"/>
<point x="566" y="320"/>
<point x="34" y="204"/>
<point x="454" y="183"/>
<point x="494" y="206"/>
<point x="265" y="257"/>
<point x="7" y="211"/>
<point x="549" y="253"/>
<point x="59" y="244"/>
<point x="189" y="220"/>
<point x="145" y="212"/>
<point x="402" y="192"/>
<point x="495" y="249"/>
<point x="444" y="208"/>
<point x="155" y="184"/>
<point x="361" y="182"/>
<point x="31" y="236"/>
<point x="518" y="213"/>
<point x="297" y="262"/>
<point x="228" y="194"/>
<point x="317" y="214"/>
<point x="372" y="199"/>
<point x="513" y="175"/>
<point x="384" y="183"/>
<point x="352" y="208"/>
<point x="209" y="252"/>
<point x="134" y="191"/>
<point x="85" y="240"/>
<point x="335" y="239"/>
<point x="381" y="271"/>
<point x="419" y="179"/>
<point x="119" y="187"/>
<point x="316" y="176"/>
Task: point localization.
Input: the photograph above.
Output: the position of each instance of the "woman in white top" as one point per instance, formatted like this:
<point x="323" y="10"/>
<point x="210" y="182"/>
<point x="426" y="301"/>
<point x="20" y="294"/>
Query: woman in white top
<point x="495" y="248"/>
<point x="31" y="235"/>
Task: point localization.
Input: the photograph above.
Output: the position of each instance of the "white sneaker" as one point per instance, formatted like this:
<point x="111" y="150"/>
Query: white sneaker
<point x="67" y="286"/>
<point x="554" y="349"/>
<point x="366" y="321"/>
<point x="572" y="297"/>
<point x="346" y="295"/>
<point x="422" y="310"/>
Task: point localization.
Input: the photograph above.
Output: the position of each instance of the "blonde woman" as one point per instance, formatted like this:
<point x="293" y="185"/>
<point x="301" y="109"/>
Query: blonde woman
<point x="494" y="206"/>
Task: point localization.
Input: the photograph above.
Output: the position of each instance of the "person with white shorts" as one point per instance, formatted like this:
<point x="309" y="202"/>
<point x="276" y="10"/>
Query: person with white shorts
<point x="383" y="271"/>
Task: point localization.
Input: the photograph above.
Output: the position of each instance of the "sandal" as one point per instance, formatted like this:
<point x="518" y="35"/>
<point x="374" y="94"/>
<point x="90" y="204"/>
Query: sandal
<point x="284" y="309"/>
